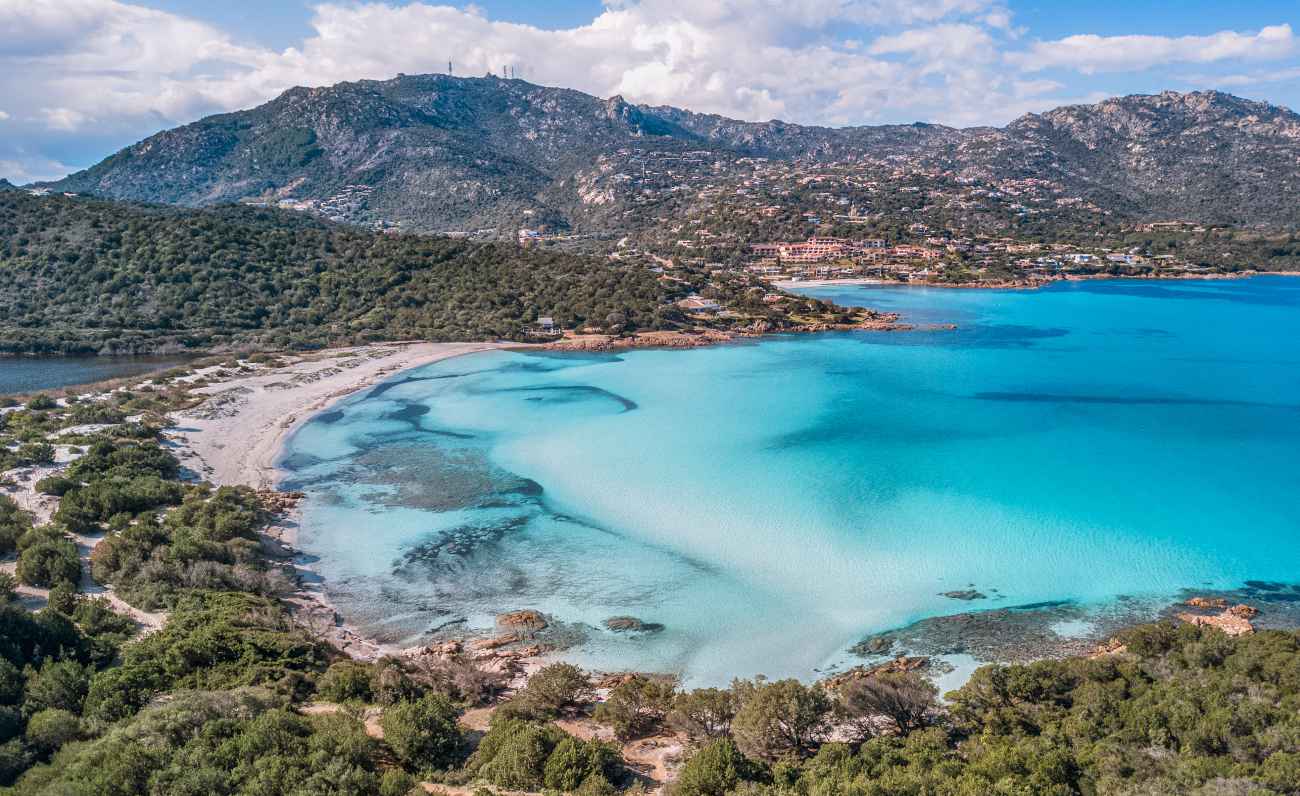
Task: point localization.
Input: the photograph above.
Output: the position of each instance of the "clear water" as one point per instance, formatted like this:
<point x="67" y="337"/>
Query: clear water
<point x="29" y="374"/>
<point x="771" y="503"/>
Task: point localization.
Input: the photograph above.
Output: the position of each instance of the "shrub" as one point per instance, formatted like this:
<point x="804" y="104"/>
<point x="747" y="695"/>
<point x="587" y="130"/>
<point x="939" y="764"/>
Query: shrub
<point x="63" y="598"/>
<point x="14" y="523"/>
<point x="715" y="769"/>
<point x="41" y="402"/>
<point x="51" y="728"/>
<point x="396" y="782"/>
<point x="30" y="453"/>
<point x="390" y="684"/>
<point x="48" y="559"/>
<point x="636" y="706"/>
<point x="517" y="755"/>
<point x="57" y="684"/>
<point x="56" y="485"/>
<point x="345" y="681"/>
<point x="423" y="734"/>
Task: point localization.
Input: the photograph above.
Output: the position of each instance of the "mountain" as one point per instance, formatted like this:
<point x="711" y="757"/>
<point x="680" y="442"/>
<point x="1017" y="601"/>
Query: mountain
<point x="434" y="152"/>
<point x="5" y="185"/>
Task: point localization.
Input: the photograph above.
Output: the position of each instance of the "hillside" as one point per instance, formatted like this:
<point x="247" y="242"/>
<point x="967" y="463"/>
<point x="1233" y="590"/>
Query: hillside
<point x="433" y="152"/>
<point x="88" y="276"/>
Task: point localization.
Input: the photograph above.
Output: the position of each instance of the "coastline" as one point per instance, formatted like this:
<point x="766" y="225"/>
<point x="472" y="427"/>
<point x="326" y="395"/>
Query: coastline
<point x="236" y="435"/>
<point x="1027" y="284"/>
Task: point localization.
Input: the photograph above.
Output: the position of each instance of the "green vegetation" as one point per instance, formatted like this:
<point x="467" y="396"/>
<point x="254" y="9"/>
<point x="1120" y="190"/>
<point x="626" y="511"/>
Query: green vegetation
<point x="522" y="755"/>
<point x="423" y="734"/>
<point x="214" y="701"/>
<point x="1186" y="710"/>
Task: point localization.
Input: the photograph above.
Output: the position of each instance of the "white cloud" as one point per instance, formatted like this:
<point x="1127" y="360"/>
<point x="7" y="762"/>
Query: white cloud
<point x="3" y="116"/>
<point x="75" y="69"/>
<point x="27" y="167"/>
<point x="1090" y="53"/>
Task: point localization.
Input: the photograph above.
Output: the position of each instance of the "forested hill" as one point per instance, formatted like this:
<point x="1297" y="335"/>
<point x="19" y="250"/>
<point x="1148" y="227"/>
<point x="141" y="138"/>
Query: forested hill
<point x="80" y="275"/>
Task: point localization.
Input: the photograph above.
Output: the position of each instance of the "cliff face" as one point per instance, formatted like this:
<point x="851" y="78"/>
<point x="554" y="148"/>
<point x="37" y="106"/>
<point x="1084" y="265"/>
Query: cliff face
<point x="437" y="152"/>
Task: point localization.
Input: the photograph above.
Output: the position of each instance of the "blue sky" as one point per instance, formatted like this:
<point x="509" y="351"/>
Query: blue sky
<point x="79" y="79"/>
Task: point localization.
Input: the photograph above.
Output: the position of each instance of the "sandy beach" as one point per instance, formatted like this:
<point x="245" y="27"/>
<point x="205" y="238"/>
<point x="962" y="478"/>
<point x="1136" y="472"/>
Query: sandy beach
<point x="235" y="436"/>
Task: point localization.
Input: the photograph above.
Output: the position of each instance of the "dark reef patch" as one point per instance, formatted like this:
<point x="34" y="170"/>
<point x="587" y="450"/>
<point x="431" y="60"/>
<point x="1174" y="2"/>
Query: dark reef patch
<point x="450" y="550"/>
<point x="567" y="394"/>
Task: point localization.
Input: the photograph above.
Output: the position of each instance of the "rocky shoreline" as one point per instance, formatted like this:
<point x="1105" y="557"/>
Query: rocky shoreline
<point x="699" y="338"/>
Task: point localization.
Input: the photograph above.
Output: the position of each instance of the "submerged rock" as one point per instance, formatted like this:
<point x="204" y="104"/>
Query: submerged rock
<point x="965" y="594"/>
<point x="1206" y="602"/>
<point x="630" y="624"/>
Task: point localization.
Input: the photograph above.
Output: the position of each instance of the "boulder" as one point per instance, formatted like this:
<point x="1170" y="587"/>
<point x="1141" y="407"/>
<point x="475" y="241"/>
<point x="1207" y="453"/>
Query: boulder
<point x="1207" y="602"/>
<point x="1227" y="621"/>
<point x="526" y="619"/>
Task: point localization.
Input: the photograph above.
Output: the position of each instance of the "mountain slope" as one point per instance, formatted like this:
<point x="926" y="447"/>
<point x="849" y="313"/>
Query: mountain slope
<point x="434" y="152"/>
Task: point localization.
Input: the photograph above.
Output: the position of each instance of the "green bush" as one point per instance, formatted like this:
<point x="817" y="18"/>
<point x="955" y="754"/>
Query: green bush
<point x="40" y="402"/>
<point x="63" y="597"/>
<point x="423" y="734"/>
<point x="49" y="729"/>
<point x="345" y="681"/>
<point x="715" y="769"/>
<point x="212" y="640"/>
<point x="516" y="754"/>
<point x="636" y="706"/>
<point x="14" y="523"/>
<point x="48" y="558"/>
<point x="57" y="684"/>
<point x="56" y="485"/>
<point x="396" y="782"/>
<point x="230" y="742"/>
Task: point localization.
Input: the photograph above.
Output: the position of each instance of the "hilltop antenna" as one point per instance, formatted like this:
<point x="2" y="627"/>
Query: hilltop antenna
<point x="449" y="67"/>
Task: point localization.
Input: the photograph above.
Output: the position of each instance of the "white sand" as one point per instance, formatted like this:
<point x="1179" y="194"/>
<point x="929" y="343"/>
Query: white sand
<point x="235" y="437"/>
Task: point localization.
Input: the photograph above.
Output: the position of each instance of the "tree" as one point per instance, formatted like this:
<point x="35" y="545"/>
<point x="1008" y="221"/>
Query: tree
<point x="63" y="598"/>
<point x="715" y="769"/>
<point x="905" y="699"/>
<point x="423" y="734"/>
<point x="783" y="719"/>
<point x="703" y="713"/>
<point x="636" y="706"/>
<point x="553" y="690"/>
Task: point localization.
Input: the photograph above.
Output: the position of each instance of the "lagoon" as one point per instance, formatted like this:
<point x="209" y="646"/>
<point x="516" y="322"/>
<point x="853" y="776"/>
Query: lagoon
<point x="770" y="503"/>
<point x="29" y="374"/>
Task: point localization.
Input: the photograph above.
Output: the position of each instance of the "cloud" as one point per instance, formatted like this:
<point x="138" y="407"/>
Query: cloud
<point x="29" y="167"/>
<point x="98" y="74"/>
<point x="1090" y="53"/>
<point x="3" y="116"/>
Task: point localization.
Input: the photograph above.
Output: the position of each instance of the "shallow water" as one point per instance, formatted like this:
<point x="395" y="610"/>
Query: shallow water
<point x="772" y="503"/>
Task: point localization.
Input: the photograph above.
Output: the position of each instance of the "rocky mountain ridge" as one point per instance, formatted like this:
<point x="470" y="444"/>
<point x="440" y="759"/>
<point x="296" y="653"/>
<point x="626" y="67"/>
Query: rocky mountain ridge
<point x="440" y="153"/>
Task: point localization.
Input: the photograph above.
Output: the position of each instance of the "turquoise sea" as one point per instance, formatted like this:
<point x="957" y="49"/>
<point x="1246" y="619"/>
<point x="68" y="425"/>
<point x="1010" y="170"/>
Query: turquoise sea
<point x="771" y="503"/>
